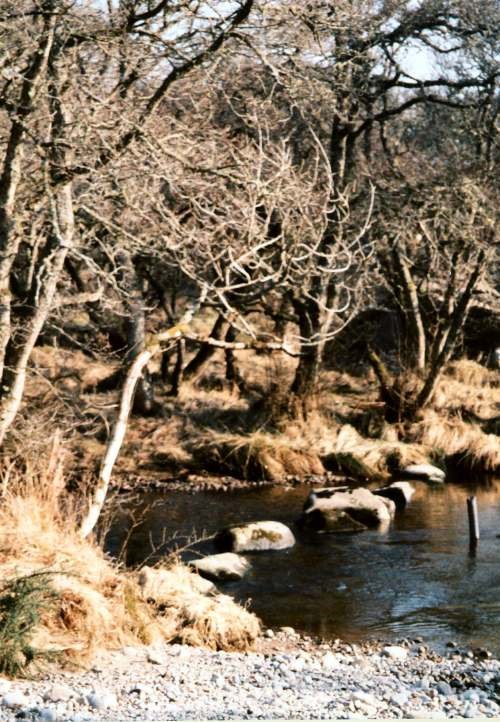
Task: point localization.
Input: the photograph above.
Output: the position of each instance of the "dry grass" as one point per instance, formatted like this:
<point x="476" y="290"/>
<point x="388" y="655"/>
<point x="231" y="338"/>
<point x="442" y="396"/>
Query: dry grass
<point x="467" y="397"/>
<point x="59" y="363"/>
<point x="256" y="456"/>
<point x="99" y="604"/>
<point x="191" y="616"/>
<point x="472" y="373"/>
<point x="468" y="388"/>
<point x="465" y="443"/>
<point x="369" y="458"/>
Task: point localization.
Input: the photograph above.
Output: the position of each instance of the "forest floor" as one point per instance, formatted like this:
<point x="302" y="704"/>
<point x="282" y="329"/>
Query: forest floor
<point x="213" y="435"/>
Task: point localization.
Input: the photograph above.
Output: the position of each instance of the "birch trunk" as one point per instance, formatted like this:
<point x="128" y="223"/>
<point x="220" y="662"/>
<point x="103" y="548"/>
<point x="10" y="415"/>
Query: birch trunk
<point x="11" y="174"/>
<point x="120" y="427"/>
<point x="62" y="239"/>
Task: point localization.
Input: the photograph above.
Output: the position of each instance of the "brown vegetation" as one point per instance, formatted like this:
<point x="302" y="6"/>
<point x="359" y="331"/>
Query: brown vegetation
<point x="98" y="604"/>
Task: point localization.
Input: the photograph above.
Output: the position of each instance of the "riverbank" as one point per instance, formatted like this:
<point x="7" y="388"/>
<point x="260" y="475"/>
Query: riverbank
<point x="286" y="677"/>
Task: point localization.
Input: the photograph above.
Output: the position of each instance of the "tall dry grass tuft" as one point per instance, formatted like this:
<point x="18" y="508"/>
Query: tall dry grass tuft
<point x="370" y="458"/>
<point x="467" y="387"/>
<point x="465" y="443"/>
<point x="256" y="456"/>
<point x="192" y="614"/>
<point x="98" y="604"/>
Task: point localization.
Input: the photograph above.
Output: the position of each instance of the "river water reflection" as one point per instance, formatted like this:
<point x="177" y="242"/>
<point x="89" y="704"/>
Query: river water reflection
<point x="418" y="579"/>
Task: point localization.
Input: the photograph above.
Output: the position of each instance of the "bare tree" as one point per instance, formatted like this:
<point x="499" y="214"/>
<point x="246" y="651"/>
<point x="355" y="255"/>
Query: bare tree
<point x="111" y="67"/>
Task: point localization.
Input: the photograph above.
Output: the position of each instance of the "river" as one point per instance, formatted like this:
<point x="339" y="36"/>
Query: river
<point x="418" y="579"/>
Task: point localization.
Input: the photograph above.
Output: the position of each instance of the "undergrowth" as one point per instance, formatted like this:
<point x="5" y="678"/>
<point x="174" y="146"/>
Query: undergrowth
<point x="23" y="602"/>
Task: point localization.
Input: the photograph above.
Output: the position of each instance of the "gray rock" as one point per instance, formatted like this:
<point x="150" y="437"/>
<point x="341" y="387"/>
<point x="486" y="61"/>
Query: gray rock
<point x="289" y="631"/>
<point x="345" y="510"/>
<point x="222" y="566"/>
<point x="444" y="688"/>
<point x="395" y="652"/>
<point x="423" y="472"/>
<point x="14" y="699"/>
<point x="59" y="693"/>
<point x="102" y="700"/>
<point x="256" y="536"/>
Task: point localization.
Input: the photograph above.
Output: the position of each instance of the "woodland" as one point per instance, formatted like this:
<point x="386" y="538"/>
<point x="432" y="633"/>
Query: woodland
<point x="245" y="239"/>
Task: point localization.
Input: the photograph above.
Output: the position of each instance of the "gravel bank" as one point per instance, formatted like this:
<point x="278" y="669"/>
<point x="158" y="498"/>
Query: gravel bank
<point x="287" y="677"/>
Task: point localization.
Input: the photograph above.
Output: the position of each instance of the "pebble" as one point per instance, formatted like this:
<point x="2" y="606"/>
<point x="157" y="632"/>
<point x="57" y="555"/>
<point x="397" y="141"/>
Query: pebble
<point x="154" y="656"/>
<point x="397" y="653"/>
<point x="444" y="688"/>
<point x="14" y="699"/>
<point x="106" y="700"/>
<point x="58" y="693"/>
<point x="470" y="695"/>
<point x="292" y="679"/>
<point x="47" y="715"/>
<point x="329" y="661"/>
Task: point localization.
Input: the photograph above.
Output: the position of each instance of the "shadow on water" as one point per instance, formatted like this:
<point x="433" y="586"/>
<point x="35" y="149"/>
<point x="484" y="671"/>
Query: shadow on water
<point x="416" y="580"/>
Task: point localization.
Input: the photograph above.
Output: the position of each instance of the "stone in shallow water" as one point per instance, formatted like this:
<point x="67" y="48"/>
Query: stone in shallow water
<point x="255" y="536"/>
<point x="423" y="472"/>
<point x="222" y="566"/>
<point x="400" y="492"/>
<point x="345" y="510"/>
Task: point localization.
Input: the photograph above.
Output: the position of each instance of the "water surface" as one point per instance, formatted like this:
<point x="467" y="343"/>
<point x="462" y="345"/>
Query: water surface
<point x="418" y="579"/>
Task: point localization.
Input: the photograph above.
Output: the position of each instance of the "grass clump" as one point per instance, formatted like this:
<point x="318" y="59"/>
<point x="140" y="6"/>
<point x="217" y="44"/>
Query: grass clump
<point x="87" y="601"/>
<point x="464" y="444"/>
<point x="370" y="459"/>
<point x="24" y="601"/>
<point x="256" y="456"/>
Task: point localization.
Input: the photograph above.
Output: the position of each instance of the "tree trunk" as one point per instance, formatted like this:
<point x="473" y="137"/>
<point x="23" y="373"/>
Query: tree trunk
<point x="120" y="427"/>
<point x="135" y="332"/>
<point x="178" y="372"/>
<point x="415" y="340"/>
<point x="23" y="341"/>
<point x="206" y="351"/>
<point x="303" y="390"/>
<point x="232" y="372"/>
<point x="11" y="173"/>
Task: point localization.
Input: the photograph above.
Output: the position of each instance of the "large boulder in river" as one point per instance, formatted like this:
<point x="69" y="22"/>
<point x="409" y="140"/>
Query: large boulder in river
<point x="423" y="472"/>
<point x="400" y="492"/>
<point x="346" y="510"/>
<point x="255" y="536"/>
<point x="222" y="566"/>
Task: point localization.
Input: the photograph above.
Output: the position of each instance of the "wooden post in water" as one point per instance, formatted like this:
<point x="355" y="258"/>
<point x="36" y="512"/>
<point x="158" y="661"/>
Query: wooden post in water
<point x="473" y="521"/>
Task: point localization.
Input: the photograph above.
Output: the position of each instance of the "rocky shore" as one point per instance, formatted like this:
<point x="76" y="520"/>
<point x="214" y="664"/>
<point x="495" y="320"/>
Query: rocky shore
<point x="286" y="677"/>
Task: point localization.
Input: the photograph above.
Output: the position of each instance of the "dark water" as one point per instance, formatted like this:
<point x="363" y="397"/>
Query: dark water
<point x="418" y="579"/>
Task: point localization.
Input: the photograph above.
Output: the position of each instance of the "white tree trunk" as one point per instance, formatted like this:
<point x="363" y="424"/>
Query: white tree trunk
<point x="120" y="426"/>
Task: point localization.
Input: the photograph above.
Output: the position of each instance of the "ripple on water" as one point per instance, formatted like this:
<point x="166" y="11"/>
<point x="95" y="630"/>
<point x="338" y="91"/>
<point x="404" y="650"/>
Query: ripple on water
<point x="417" y="579"/>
